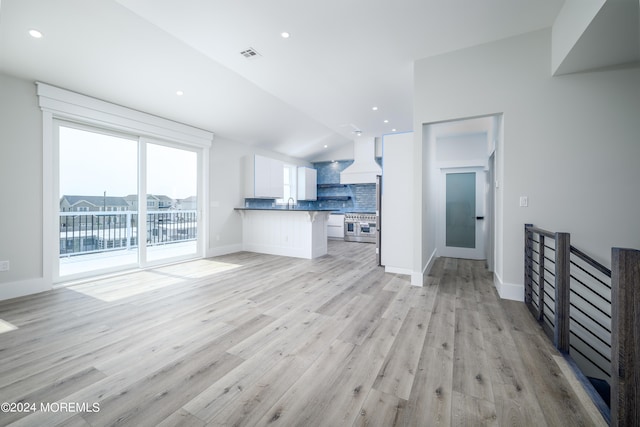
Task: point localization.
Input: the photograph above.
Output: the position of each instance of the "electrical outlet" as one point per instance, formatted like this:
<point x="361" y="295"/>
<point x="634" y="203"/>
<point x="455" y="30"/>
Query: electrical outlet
<point x="4" y="265"/>
<point x="524" y="201"/>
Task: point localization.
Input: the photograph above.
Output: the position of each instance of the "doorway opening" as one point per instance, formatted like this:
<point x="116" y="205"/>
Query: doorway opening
<point x="460" y="183"/>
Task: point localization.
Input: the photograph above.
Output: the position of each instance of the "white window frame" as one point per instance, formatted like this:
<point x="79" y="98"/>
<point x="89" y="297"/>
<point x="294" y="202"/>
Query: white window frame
<point x="293" y="185"/>
<point x="60" y="104"/>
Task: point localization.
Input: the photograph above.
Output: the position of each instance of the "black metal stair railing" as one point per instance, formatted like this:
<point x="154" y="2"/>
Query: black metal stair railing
<point x="579" y="304"/>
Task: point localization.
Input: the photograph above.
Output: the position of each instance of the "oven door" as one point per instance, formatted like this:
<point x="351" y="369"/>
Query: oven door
<point x="350" y="229"/>
<point x="366" y="228"/>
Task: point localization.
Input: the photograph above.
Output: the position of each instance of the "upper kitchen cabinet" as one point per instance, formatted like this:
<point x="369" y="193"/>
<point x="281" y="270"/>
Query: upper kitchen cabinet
<point x="265" y="178"/>
<point x="307" y="183"/>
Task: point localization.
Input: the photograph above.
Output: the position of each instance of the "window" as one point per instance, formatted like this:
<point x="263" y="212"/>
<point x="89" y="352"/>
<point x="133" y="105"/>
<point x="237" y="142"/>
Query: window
<point x="107" y="128"/>
<point x="290" y="184"/>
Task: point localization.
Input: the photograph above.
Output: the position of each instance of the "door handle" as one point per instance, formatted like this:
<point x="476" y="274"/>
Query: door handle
<point x="479" y="217"/>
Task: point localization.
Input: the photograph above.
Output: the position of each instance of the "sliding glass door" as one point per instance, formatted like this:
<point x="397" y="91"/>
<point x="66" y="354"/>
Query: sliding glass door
<point x="172" y="202"/>
<point x="124" y="201"/>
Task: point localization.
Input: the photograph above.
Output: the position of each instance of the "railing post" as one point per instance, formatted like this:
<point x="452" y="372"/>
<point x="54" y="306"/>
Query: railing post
<point x="541" y="278"/>
<point x="625" y="337"/>
<point x="528" y="264"/>
<point x="128" y="228"/>
<point x="561" y="329"/>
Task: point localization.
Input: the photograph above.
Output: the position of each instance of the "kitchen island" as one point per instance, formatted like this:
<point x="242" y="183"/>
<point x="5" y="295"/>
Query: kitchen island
<point x="299" y="233"/>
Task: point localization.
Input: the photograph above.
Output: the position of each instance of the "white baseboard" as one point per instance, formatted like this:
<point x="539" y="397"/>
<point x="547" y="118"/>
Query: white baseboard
<point x="510" y="291"/>
<point x="224" y="250"/>
<point x="432" y="260"/>
<point x="397" y="270"/>
<point x="417" y="278"/>
<point x="23" y="287"/>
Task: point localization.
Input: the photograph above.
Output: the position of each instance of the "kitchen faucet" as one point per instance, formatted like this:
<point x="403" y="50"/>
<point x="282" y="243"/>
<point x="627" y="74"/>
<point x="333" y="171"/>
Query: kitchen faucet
<point x="293" y="202"/>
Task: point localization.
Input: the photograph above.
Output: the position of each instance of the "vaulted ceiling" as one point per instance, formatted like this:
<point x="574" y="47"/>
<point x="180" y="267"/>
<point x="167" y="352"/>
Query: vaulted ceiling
<point x="316" y="88"/>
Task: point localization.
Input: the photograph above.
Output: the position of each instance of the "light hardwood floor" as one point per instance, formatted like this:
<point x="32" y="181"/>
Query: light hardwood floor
<point x="249" y="339"/>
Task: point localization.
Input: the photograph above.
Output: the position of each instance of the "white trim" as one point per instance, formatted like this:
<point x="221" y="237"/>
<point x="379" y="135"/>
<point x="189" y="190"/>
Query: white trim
<point x="224" y="250"/>
<point x="398" y="270"/>
<point x="57" y="103"/>
<point x="74" y="106"/>
<point x="50" y="236"/>
<point x="456" y="164"/>
<point x="510" y="291"/>
<point x="203" y="206"/>
<point x="417" y="279"/>
<point x="24" y="287"/>
<point x="432" y="260"/>
<point x="143" y="201"/>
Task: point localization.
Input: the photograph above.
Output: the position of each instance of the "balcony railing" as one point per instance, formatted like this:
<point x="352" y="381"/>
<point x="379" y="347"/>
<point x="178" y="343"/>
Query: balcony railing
<point x="93" y="232"/>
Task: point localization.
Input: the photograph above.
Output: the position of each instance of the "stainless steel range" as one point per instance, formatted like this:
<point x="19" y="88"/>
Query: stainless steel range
<point x="360" y="227"/>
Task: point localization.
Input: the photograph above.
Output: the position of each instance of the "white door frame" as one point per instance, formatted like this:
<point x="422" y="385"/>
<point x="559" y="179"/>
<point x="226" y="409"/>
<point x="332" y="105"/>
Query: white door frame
<point x="468" y="253"/>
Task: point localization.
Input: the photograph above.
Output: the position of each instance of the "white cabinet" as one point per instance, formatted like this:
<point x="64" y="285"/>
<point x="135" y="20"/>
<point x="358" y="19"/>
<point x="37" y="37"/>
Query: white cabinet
<point x="307" y="183"/>
<point x="335" y="226"/>
<point x="265" y="178"/>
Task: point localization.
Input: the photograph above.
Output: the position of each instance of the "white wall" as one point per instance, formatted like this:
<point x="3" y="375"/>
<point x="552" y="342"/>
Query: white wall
<point x="226" y="172"/>
<point x="592" y="34"/>
<point x="570" y="24"/>
<point x="21" y="190"/>
<point x="569" y="143"/>
<point x="20" y="187"/>
<point x="397" y="203"/>
<point x="462" y="150"/>
<point x="429" y="214"/>
<point x="227" y="176"/>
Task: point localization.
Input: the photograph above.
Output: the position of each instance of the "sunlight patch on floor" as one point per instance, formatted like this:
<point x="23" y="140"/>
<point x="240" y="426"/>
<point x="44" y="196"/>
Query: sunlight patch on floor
<point x="121" y="287"/>
<point x="6" y="326"/>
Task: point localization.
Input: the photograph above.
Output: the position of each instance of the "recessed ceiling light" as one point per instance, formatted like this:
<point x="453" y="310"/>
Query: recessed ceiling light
<point x="393" y="130"/>
<point x="179" y="93"/>
<point x="35" y="34"/>
<point x="374" y="108"/>
<point x="325" y="146"/>
<point x="285" y="35"/>
<point x="386" y="121"/>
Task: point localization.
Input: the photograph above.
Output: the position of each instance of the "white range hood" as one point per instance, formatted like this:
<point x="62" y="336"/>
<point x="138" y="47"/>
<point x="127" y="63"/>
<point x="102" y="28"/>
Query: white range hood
<point x="364" y="168"/>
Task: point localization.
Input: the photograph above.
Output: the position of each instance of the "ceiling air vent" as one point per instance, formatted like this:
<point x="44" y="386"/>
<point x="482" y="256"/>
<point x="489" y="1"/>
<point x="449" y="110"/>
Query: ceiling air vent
<point x="250" y="53"/>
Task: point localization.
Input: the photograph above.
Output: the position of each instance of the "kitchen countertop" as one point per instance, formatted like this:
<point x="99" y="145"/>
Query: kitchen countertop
<point x="285" y="209"/>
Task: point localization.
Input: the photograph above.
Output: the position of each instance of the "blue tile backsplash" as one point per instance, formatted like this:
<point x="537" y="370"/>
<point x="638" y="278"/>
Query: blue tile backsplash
<point x="329" y="172"/>
<point x="332" y="194"/>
